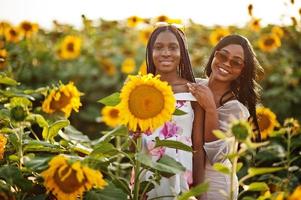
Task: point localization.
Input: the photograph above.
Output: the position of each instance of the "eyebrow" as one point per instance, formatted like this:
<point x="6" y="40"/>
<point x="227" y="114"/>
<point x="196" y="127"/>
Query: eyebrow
<point x="229" y="53"/>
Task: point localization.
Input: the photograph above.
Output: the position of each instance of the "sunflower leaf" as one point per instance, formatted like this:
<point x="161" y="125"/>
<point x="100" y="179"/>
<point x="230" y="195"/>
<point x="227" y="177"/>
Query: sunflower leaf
<point x="179" y="112"/>
<point x="263" y="170"/>
<point x="172" y="144"/>
<point x="221" y="168"/>
<point x="111" y="100"/>
<point x="258" y="186"/>
<point x="8" y="81"/>
<point x="54" y="129"/>
<point x="195" y="191"/>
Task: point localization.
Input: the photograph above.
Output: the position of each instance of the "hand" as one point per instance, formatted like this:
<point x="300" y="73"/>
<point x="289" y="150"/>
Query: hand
<point x="203" y="95"/>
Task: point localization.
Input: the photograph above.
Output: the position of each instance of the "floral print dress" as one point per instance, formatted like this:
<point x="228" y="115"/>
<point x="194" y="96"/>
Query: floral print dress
<point x="179" y="128"/>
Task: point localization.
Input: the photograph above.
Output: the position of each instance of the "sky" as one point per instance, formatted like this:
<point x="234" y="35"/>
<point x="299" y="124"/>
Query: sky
<point x="206" y="12"/>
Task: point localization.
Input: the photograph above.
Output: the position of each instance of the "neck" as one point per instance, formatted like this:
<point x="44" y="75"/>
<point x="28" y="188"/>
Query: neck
<point x="169" y="77"/>
<point x="218" y="87"/>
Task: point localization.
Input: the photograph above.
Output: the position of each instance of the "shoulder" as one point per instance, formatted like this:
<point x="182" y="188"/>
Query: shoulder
<point x="201" y="81"/>
<point x="234" y="108"/>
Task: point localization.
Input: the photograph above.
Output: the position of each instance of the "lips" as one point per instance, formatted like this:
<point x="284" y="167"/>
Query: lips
<point x="166" y="62"/>
<point x="222" y="70"/>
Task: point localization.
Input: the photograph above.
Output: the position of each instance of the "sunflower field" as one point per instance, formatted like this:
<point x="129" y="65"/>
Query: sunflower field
<point x="62" y="97"/>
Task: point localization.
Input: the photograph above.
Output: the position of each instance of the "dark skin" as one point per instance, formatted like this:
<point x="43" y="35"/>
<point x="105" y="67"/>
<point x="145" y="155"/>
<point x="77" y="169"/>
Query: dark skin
<point x="166" y="57"/>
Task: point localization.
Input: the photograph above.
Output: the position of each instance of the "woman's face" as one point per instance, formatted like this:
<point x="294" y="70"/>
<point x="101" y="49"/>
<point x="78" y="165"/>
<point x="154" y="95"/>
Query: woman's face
<point x="228" y="63"/>
<point x="166" y="53"/>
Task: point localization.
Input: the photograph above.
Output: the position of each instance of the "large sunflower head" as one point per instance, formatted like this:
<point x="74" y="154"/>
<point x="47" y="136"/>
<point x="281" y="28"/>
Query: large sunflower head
<point x="3" y="141"/>
<point x="146" y="102"/>
<point x="70" y="47"/>
<point x="67" y="180"/>
<point x="296" y="194"/>
<point x="3" y="58"/>
<point x="28" y="29"/>
<point x="217" y="35"/>
<point x="64" y="99"/>
<point x="269" y="42"/>
<point x="266" y="121"/>
<point x="111" y="115"/>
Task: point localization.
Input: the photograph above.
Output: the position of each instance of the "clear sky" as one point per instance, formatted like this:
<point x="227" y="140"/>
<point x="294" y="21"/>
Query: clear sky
<point x="207" y="12"/>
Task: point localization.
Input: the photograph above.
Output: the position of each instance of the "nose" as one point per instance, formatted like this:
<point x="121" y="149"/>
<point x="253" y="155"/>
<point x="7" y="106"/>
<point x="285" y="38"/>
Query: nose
<point x="165" y="52"/>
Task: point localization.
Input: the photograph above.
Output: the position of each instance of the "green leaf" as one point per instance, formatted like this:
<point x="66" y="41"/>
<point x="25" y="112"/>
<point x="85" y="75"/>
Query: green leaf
<point x="118" y="131"/>
<point x="172" y="144"/>
<point x="179" y="112"/>
<point x="219" y="134"/>
<point x="111" y="100"/>
<point x="34" y="145"/>
<point x="37" y="163"/>
<point x="221" y="168"/>
<point x="239" y="166"/>
<point x="194" y="192"/>
<point x="110" y="192"/>
<point x="104" y="149"/>
<point x="166" y="166"/>
<point x="39" y="119"/>
<point x="13" y="176"/>
<point x="258" y="186"/>
<point x="263" y="170"/>
<point x="55" y="127"/>
<point x="8" y="81"/>
<point x="72" y="134"/>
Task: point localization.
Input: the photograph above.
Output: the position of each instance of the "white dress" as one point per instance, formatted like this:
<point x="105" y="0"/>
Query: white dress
<point x="179" y="128"/>
<point x="217" y="150"/>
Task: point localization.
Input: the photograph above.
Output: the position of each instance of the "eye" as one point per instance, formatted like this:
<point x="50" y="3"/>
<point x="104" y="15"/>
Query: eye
<point x="237" y="63"/>
<point x="157" y="47"/>
<point x="222" y="56"/>
<point x="173" y="47"/>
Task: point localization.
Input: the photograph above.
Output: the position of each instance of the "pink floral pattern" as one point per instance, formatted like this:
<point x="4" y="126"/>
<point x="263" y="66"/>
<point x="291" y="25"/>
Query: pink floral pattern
<point x="170" y="129"/>
<point x="158" y="151"/>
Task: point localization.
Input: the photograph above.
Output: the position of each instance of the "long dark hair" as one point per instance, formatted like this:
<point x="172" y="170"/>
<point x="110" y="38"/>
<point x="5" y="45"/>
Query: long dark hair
<point x="185" y="69"/>
<point x="245" y="87"/>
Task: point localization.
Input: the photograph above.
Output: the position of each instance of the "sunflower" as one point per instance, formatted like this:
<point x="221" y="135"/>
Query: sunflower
<point x="68" y="180"/>
<point x="266" y="121"/>
<point x="162" y="18"/>
<point x="28" y="29"/>
<point x="128" y="65"/>
<point x="143" y="68"/>
<point x="108" y="66"/>
<point x="146" y="102"/>
<point x="217" y="35"/>
<point x="12" y="35"/>
<point x="3" y="27"/>
<point x="296" y="194"/>
<point x="3" y="141"/>
<point x="254" y="24"/>
<point x="241" y="129"/>
<point x="269" y="42"/>
<point x="3" y="58"/>
<point x="133" y="21"/>
<point x="145" y="34"/>
<point x="292" y="125"/>
<point x="278" y="31"/>
<point x="64" y="99"/>
<point x="111" y="115"/>
<point x="70" y="48"/>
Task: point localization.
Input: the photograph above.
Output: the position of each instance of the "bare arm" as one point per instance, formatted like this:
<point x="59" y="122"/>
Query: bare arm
<point x="198" y="157"/>
<point x="205" y="99"/>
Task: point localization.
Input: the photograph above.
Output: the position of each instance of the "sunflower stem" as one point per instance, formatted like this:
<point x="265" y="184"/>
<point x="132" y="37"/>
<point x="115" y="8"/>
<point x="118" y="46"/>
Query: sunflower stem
<point x="137" y="169"/>
<point x="234" y="167"/>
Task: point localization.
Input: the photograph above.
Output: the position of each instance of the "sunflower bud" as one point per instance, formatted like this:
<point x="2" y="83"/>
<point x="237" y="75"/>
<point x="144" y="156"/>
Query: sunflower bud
<point x="241" y="130"/>
<point x="18" y="113"/>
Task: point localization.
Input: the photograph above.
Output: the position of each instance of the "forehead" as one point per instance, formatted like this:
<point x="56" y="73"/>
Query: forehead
<point x="166" y="37"/>
<point x="234" y="50"/>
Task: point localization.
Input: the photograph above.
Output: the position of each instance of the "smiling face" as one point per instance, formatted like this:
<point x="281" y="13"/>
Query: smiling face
<point x="166" y="53"/>
<point x="227" y="63"/>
